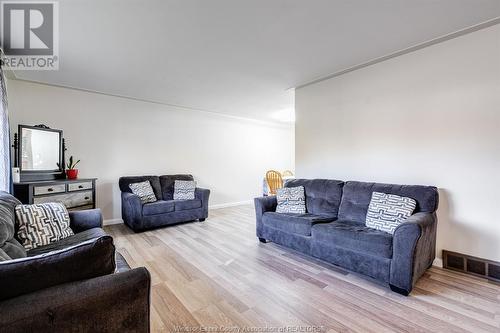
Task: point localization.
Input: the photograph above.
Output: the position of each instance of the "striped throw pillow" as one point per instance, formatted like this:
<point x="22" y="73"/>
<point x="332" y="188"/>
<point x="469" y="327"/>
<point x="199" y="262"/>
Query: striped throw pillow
<point x="42" y="224"/>
<point x="144" y="191"/>
<point x="387" y="211"/>
<point x="291" y="200"/>
<point x="184" y="189"/>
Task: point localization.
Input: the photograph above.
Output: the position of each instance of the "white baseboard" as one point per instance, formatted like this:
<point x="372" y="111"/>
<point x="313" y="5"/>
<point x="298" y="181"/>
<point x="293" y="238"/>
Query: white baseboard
<point x="231" y="204"/>
<point x="438" y="262"/>
<point x="112" y="221"/>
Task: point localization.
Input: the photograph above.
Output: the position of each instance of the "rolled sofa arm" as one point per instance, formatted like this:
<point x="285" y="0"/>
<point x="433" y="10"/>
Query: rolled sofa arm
<point x="81" y="220"/>
<point x="132" y="210"/>
<point x="262" y="205"/>
<point x="414" y="250"/>
<point x="203" y="194"/>
<point x="112" y="303"/>
<point x="88" y="259"/>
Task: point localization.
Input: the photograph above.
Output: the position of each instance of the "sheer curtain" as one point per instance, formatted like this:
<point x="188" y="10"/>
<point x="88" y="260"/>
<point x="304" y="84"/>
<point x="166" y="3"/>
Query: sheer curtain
<point x="5" y="167"/>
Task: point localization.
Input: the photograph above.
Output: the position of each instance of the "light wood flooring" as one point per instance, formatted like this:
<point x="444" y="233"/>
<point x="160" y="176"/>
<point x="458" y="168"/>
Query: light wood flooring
<point x="216" y="276"/>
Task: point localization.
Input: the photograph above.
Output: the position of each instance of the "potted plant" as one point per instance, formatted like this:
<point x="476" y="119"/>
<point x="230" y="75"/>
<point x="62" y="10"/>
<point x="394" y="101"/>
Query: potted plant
<point x="71" y="172"/>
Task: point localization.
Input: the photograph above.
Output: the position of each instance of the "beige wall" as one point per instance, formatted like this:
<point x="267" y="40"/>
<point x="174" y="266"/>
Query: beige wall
<point x="116" y="136"/>
<point x="428" y="117"/>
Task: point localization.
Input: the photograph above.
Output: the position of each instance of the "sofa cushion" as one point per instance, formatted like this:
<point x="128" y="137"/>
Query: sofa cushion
<point x="158" y="207"/>
<point x="187" y="204"/>
<point x="322" y="195"/>
<point x="124" y="183"/>
<point x="121" y="264"/>
<point x="357" y="195"/>
<point x="291" y="200"/>
<point x="387" y="211"/>
<point x="167" y="184"/>
<point x="144" y="191"/>
<point x="354" y="236"/>
<point x="299" y="224"/>
<point x="42" y="224"/>
<point x="9" y="246"/>
<point x="69" y="241"/>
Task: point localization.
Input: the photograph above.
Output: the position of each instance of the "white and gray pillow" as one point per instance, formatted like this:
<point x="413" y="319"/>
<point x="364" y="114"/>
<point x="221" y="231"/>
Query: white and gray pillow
<point x="291" y="200"/>
<point x="42" y="224"/>
<point x="184" y="189"/>
<point x="144" y="191"/>
<point x="387" y="211"/>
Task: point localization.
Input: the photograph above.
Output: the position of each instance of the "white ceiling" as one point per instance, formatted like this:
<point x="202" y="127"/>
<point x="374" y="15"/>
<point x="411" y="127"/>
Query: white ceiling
<point x="233" y="56"/>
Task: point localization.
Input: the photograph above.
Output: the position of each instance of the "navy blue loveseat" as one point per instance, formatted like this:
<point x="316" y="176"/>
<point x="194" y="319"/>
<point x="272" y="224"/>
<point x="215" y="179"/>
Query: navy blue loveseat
<point x="333" y="229"/>
<point x="166" y="210"/>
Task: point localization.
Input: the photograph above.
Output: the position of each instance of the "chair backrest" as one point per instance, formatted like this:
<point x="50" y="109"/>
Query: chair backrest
<point x="274" y="181"/>
<point x="287" y="173"/>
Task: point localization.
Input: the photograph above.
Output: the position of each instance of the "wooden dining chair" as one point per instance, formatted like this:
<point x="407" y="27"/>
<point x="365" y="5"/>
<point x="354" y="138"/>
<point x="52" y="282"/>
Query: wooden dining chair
<point x="274" y="181"/>
<point x="287" y="173"/>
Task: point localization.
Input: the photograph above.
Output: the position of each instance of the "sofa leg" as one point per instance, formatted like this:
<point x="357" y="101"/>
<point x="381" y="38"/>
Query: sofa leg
<point x="399" y="290"/>
<point x="262" y="240"/>
<point x="201" y="220"/>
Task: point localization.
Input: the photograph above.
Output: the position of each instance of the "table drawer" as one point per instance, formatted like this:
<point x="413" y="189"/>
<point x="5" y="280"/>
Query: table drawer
<point x="69" y="200"/>
<point x="79" y="186"/>
<point x="49" y="189"/>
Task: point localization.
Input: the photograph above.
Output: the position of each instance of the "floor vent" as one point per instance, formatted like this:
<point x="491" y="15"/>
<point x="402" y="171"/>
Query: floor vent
<point x="472" y="265"/>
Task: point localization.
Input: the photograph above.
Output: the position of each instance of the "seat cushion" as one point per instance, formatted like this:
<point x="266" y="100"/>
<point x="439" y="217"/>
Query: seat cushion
<point x="158" y="207"/>
<point x="299" y="224"/>
<point x="68" y="241"/>
<point x="121" y="264"/>
<point x="354" y="236"/>
<point x="187" y="204"/>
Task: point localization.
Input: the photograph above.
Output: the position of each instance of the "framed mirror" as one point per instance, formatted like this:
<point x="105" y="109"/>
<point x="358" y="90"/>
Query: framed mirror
<point x="40" y="153"/>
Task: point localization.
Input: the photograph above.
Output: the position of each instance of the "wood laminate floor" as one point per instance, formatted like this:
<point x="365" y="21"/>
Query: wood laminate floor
<point x="215" y="276"/>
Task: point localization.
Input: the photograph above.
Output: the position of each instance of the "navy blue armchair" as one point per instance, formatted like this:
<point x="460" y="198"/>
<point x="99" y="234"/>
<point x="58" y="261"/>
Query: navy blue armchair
<point x="77" y="284"/>
<point x="166" y="210"/>
<point x="333" y="229"/>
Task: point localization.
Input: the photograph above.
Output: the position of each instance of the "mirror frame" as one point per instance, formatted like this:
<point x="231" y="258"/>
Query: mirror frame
<point x="37" y="175"/>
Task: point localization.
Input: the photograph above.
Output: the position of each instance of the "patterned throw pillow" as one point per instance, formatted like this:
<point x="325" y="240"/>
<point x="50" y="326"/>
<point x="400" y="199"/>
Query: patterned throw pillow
<point x="387" y="211"/>
<point x="184" y="189"/>
<point x="291" y="200"/>
<point x="42" y="224"/>
<point x="144" y="191"/>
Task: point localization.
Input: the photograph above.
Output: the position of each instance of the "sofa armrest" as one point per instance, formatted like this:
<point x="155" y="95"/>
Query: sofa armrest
<point x="203" y="194"/>
<point x="112" y="303"/>
<point x="81" y="220"/>
<point x="132" y="210"/>
<point x="414" y="250"/>
<point x="262" y="205"/>
<point x="85" y="260"/>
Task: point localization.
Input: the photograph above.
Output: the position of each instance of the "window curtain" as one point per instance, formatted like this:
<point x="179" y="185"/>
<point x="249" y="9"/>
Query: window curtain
<point x="5" y="166"/>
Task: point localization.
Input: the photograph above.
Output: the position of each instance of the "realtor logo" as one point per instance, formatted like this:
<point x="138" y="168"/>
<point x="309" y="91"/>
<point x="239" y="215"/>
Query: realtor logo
<point x="30" y="35"/>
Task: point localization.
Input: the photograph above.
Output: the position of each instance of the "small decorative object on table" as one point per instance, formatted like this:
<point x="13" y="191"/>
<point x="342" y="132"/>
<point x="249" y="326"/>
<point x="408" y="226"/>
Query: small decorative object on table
<point x="71" y="172"/>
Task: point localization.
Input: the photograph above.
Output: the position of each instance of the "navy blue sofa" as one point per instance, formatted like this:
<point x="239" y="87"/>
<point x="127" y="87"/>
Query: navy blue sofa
<point x="166" y="210"/>
<point x="333" y="229"/>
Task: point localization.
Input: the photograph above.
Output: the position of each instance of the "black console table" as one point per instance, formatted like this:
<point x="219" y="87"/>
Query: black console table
<point x="75" y="194"/>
